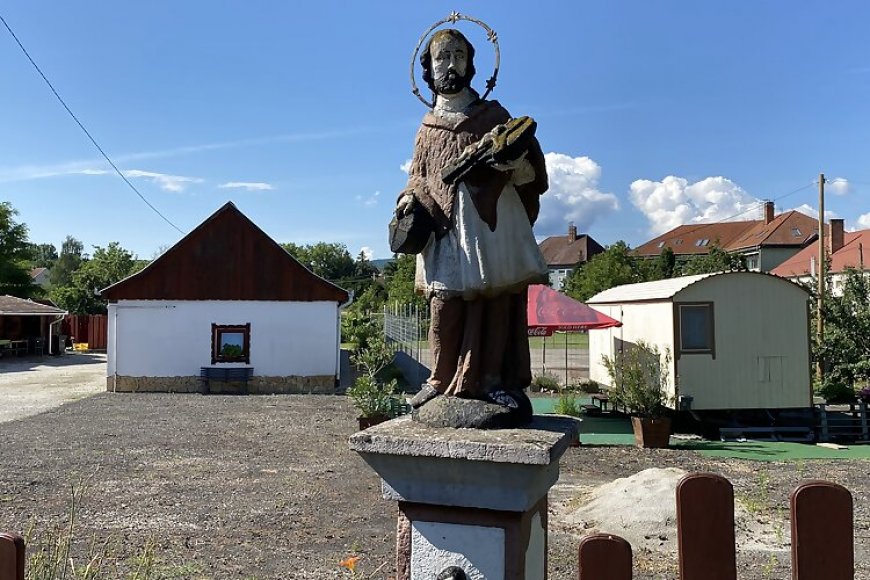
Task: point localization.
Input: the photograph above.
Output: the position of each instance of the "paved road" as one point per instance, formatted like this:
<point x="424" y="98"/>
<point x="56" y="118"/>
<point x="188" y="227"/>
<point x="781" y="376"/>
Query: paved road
<point x="33" y="385"/>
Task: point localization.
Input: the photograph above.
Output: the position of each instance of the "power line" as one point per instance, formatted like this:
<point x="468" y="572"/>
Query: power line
<point x="82" y="127"/>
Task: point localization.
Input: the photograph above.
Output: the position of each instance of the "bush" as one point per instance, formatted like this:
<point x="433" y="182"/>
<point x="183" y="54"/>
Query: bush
<point x="546" y="382"/>
<point x="371" y="395"/>
<point x="835" y="392"/>
<point x="589" y="387"/>
<point x="373" y="398"/>
<point x="567" y="405"/>
<point x="639" y="378"/>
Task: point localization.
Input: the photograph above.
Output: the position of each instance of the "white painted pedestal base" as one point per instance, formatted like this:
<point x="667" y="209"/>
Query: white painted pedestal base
<point x="469" y="498"/>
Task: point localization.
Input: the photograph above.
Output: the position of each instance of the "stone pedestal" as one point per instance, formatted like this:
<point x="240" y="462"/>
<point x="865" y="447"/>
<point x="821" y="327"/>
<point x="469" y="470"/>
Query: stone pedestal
<point x="471" y="498"/>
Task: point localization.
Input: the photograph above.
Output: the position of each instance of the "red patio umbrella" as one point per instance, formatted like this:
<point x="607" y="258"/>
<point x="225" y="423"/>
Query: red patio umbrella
<point x="549" y="311"/>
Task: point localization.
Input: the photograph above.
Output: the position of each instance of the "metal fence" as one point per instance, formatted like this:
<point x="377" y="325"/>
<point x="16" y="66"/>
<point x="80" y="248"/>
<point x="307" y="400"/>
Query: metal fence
<point x="406" y="327"/>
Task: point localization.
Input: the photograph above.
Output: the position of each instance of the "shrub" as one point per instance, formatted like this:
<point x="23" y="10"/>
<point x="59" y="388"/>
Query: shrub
<point x="373" y="398"/>
<point x="567" y="405"/>
<point x="546" y="382"/>
<point x="835" y="391"/>
<point x="589" y="387"/>
<point x="639" y="378"/>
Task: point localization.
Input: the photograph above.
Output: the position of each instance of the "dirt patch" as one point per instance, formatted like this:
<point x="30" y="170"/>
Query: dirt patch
<point x="29" y="386"/>
<point x="641" y="509"/>
<point x="265" y="487"/>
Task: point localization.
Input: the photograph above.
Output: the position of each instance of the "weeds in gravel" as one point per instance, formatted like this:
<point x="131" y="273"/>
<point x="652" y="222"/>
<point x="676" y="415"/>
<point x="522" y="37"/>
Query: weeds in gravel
<point x="51" y="553"/>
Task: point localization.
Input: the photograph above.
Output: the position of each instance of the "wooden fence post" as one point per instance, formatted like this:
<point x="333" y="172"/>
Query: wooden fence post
<point x="822" y="534"/>
<point x="603" y="557"/>
<point x="705" y="528"/>
<point x="11" y="557"/>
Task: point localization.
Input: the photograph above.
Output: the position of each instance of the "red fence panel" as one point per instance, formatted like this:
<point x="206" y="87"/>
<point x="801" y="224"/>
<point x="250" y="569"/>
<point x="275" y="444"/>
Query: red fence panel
<point x="11" y="557"/>
<point x="705" y="528"/>
<point x="604" y="557"/>
<point x="822" y="533"/>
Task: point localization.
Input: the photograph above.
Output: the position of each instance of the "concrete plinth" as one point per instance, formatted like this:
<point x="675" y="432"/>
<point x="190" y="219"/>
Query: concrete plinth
<point x="476" y="499"/>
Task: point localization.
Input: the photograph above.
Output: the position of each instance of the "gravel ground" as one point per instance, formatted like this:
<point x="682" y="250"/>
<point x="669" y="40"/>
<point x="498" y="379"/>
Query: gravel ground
<point x="265" y="487"/>
<point x="32" y="385"/>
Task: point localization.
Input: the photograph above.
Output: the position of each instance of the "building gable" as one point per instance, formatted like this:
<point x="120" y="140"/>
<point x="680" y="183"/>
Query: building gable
<point x="227" y="257"/>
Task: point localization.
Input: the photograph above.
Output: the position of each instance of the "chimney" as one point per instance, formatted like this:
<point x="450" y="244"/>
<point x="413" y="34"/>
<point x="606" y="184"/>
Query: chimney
<point x="836" y="234"/>
<point x="768" y="212"/>
<point x="572" y="233"/>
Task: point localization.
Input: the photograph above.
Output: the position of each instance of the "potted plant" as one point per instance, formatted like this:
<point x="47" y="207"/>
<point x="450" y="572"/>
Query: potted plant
<point x="372" y="396"/>
<point x="639" y="378"/>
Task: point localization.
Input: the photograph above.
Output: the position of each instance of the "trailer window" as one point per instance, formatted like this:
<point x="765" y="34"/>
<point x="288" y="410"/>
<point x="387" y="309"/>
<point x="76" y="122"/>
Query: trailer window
<point x="696" y="328"/>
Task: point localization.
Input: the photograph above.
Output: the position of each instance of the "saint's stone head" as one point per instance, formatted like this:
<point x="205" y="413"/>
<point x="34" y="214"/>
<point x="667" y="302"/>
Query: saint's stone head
<point x="448" y="62"/>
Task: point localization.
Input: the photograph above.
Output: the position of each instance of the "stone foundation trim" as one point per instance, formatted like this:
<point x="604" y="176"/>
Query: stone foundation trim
<point x="257" y="385"/>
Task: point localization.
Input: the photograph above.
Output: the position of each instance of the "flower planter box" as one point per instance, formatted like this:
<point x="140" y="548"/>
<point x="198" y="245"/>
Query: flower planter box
<point x="651" y="433"/>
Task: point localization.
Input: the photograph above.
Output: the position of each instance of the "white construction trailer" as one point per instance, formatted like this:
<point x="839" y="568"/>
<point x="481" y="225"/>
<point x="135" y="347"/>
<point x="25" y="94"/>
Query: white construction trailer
<point x="738" y="340"/>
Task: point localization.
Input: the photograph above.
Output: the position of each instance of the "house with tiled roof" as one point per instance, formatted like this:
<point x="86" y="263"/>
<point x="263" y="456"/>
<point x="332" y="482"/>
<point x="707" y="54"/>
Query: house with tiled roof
<point x="765" y="243"/>
<point x="40" y="277"/>
<point x="844" y="250"/>
<point x="564" y="253"/>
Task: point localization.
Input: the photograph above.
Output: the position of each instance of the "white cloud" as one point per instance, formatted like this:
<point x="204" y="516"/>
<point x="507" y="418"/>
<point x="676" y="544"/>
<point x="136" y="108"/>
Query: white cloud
<point x="406" y="166"/>
<point x="573" y="195"/>
<point x="674" y="201"/>
<point x="248" y="185"/>
<point x="814" y="211"/>
<point x="164" y="181"/>
<point x="864" y="221"/>
<point x="92" y="172"/>
<point x="367" y="252"/>
<point x="369" y="201"/>
<point x="839" y="186"/>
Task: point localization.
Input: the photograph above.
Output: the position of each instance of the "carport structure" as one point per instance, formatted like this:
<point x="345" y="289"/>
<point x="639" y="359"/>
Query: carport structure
<point x="26" y="326"/>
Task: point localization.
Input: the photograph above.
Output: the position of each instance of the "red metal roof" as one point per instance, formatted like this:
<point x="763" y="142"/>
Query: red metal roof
<point x="227" y="257"/>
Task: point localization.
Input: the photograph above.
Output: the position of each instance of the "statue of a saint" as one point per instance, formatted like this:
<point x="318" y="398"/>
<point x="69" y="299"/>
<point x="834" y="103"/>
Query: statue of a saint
<point x="477" y="265"/>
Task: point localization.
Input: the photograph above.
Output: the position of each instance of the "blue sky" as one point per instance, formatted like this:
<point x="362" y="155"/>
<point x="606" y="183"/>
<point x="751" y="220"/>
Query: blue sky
<point x="653" y="113"/>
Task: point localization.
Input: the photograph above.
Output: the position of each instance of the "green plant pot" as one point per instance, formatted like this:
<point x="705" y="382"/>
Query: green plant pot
<point x="651" y="433"/>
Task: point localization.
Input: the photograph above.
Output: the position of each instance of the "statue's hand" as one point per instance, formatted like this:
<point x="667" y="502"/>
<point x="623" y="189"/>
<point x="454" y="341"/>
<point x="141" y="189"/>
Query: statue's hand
<point x="405" y="205"/>
<point x="511" y="165"/>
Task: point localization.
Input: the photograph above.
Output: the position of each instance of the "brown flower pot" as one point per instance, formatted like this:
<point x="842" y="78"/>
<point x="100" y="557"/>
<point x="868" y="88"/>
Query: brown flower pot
<point x="651" y="433"/>
<point x="366" y="422"/>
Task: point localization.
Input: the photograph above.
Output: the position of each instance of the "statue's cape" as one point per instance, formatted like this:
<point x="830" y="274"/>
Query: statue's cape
<point x="440" y="141"/>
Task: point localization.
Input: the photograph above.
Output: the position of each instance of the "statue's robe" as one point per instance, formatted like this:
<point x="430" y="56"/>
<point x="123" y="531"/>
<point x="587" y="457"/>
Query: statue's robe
<point x="481" y="258"/>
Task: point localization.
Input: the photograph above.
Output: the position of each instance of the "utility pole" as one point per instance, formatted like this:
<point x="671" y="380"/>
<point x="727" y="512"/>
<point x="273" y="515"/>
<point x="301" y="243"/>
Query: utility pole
<point x="820" y="271"/>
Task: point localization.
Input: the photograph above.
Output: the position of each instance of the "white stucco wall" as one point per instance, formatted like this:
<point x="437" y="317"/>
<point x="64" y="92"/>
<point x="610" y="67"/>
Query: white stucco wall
<point x="151" y="338"/>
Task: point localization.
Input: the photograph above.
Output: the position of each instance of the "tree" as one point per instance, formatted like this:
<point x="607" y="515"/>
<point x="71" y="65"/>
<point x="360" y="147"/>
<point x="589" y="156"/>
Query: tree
<point x="14" y="272"/>
<point x="330" y="261"/>
<point x="613" y="267"/>
<point x="42" y="255"/>
<point x="399" y="275"/>
<point x="845" y="349"/>
<point x="716" y="260"/>
<point x="666" y="263"/>
<point x="71" y="257"/>
<point x="107" y="266"/>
